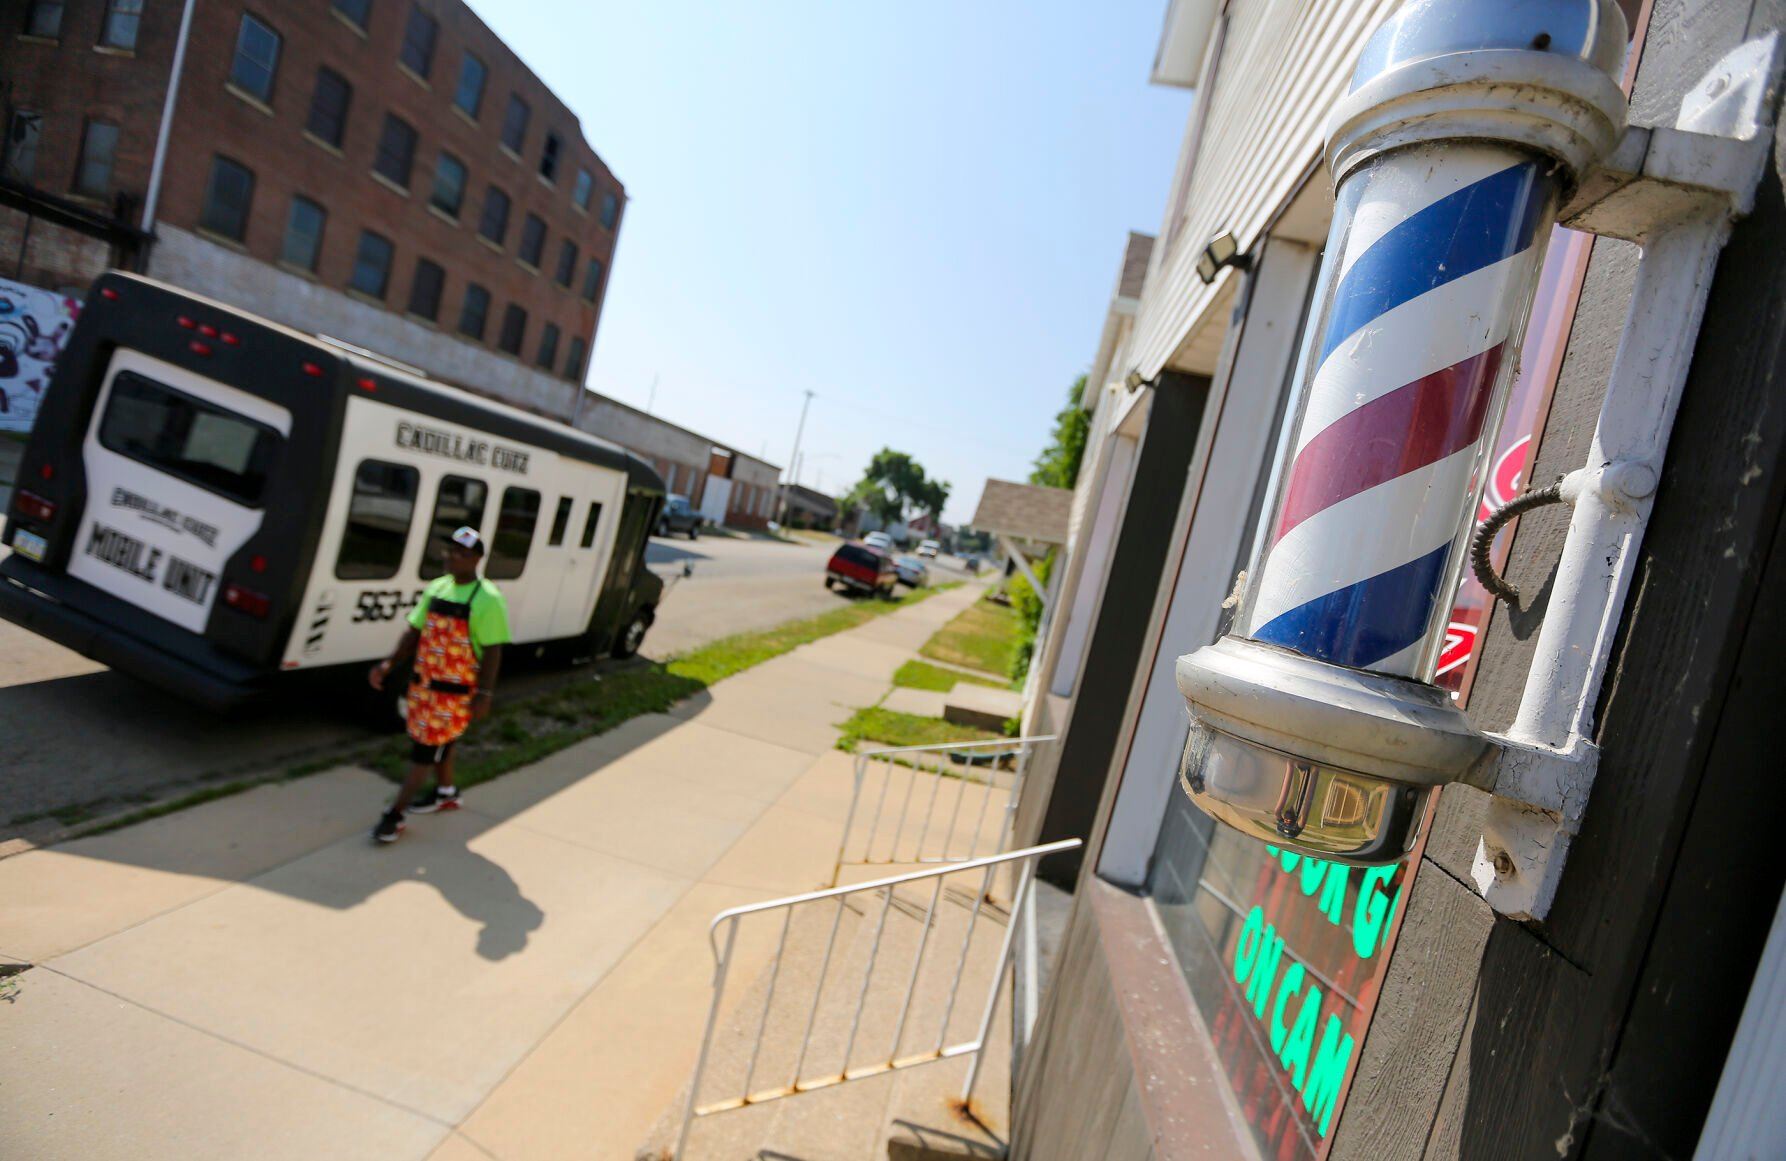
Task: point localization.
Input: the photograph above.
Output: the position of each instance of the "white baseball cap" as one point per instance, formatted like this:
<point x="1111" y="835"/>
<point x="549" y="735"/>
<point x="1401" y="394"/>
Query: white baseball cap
<point x="468" y="537"/>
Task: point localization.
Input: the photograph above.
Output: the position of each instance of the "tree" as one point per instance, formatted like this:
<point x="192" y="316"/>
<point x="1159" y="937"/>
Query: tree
<point x="893" y="484"/>
<point x="1058" y="465"/>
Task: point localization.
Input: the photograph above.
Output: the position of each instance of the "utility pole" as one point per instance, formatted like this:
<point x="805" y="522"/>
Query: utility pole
<point x="781" y="509"/>
<point x="651" y="399"/>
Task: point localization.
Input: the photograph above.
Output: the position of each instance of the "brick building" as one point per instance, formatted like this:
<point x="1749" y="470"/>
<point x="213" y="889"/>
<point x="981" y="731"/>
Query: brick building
<point x="385" y="172"/>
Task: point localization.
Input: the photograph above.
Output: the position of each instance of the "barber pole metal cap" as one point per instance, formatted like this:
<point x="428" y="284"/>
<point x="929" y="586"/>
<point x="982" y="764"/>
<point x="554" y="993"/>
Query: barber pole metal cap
<point x="1541" y="74"/>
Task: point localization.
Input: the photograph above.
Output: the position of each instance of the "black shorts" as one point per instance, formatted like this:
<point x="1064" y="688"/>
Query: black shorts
<point x="423" y="754"/>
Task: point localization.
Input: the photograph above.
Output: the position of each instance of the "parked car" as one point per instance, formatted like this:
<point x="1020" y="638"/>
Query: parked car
<point x="879" y="540"/>
<point x="911" y="571"/>
<point x="859" y="568"/>
<point x="928" y="548"/>
<point x="679" y="516"/>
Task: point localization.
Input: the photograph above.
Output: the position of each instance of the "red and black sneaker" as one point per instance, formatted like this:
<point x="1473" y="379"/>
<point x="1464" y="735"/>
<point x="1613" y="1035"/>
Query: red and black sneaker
<point x="438" y="798"/>
<point x="389" y="826"/>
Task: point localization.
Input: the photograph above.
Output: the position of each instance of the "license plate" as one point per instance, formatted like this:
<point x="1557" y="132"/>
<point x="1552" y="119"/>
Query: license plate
<point x="29" y="544"/>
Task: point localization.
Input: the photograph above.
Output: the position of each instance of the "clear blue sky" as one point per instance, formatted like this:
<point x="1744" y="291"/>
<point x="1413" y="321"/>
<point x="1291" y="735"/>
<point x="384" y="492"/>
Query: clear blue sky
<point x="914" y="209"/>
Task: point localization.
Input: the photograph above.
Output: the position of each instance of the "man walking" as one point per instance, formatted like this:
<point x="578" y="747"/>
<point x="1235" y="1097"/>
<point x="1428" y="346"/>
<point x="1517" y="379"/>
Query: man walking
<point x="456" y="634"/>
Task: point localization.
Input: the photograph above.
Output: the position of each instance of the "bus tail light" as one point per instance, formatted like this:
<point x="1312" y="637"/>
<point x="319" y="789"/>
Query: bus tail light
<point x="246" y="600"/>
<point x="30" y="504"/>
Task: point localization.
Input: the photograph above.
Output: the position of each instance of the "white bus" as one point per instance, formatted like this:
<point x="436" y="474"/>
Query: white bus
<point x="210" y="500"/>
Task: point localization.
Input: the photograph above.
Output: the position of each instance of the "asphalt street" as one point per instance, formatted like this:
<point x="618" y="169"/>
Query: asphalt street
<point x="81" y="741"/>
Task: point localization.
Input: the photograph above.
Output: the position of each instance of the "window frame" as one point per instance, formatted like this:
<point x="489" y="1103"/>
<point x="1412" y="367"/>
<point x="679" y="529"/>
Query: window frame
<point x="424" y="64"/>
<point x="531" y="250"/>
<point x="511" y="128"/>
<point x="83" y="159"/>
<point x="359" y="255"/>
<point x="437" y="563"/>
<point x="482" y="294"/>
<point x="496" y="564"/>
<point x="610" y="211"/>
<point x="500" y="238"/>
<point x="583" y="189"/>
<point x="576" y="352"/>
<point x="546" y="355"/>
<point x="202" y="406"/>
<point x="415" y="494"/>
<point x="592" y="523"/>
<point x="437" y="276"/>
<point x="220" y="165"/>
<point x="34" y="8"/>
<point x="384" y="151"/>
<point x="9" y="151"/>
<point x="467" y="59"/>
<point x="360" y="21"/>
<point x="116" y="13"/>
<point x="568" y="253"/>
<point x="441" y="161"/>
<point x="330" y="77"/>
<point x="239" y="54"/>
<point x="592" y="279"/>
<point x="513" y="315"/>
<point x="551" y="155"/>
<point x="322" y="224"/>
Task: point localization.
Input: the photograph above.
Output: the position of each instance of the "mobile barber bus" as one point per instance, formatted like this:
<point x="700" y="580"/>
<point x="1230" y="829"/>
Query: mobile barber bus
<point x="210" y="500"/>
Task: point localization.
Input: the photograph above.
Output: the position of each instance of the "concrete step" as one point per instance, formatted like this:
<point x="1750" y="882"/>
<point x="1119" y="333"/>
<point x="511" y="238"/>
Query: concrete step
<point x="898" y="1094"/>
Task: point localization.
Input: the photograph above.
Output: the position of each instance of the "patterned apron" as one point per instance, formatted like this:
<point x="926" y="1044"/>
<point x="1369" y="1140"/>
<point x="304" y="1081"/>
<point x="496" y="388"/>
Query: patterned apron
<point x="446" y="673"/>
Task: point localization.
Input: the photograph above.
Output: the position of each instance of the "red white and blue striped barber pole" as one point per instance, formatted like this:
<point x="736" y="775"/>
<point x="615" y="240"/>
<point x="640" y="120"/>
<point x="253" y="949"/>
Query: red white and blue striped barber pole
<point x="1316" y="725"/>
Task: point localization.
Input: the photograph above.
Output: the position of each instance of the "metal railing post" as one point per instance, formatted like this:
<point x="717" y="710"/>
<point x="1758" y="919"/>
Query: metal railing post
<point x="1024" y="878"/>
<point x="722" y="964"/>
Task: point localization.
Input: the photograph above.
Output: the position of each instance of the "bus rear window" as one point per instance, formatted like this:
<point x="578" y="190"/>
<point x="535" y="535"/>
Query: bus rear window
<point x="377" y="521"/>
<point x="189" y="438"/>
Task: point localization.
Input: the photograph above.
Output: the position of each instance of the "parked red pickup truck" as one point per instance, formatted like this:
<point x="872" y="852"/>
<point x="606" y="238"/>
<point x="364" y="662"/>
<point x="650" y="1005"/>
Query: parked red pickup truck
<point x="859" y="568"/>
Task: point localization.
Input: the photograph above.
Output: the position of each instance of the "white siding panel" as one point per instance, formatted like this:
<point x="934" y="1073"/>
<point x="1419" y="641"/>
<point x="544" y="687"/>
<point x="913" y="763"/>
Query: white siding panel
<point x="1285" y="64"/>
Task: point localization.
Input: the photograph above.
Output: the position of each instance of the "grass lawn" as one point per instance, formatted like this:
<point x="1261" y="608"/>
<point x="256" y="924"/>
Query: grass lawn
<point x="524" y="732"/>
<point x="982" y="636"/>
<point x="923" y="675"/>
<point x="891" y="728"/>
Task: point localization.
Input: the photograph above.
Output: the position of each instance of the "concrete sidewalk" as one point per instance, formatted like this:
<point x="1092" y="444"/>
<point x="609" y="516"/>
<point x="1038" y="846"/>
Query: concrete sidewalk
<point x="524" y="978"/>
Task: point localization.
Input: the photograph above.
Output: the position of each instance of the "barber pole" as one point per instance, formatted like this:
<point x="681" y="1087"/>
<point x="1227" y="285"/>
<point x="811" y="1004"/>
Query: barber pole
<point x="1436" y="248"/>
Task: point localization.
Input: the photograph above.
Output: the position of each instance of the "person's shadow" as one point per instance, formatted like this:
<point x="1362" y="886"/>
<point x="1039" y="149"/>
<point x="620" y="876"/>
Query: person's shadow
<point x="484" y="893"/>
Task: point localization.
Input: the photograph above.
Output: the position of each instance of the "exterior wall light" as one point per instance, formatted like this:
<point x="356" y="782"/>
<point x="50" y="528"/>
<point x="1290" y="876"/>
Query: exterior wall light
<point x="1316" y="725"/>
<point x="1222" y="250"/>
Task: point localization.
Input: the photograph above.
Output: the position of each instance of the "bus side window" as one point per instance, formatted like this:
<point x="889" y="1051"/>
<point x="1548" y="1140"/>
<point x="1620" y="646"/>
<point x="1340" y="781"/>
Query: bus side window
<point x="378" y="519"/>
<point x="591" y="523"/>
<point x="514" y="533"/>
<point x="560" y="521"/>
<point x="458" y="503"/>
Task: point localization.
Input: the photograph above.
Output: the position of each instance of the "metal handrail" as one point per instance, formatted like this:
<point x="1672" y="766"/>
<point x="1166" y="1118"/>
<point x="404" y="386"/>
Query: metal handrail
<point x="892" y="757"/>
<point x="723" y="955"/>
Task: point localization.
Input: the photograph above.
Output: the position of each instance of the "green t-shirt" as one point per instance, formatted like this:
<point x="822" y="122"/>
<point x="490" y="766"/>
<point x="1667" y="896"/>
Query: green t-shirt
<point x="489" y="612"/>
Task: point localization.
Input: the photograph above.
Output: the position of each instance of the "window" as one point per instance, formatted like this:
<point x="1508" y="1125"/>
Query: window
<point x="357" y="12"/>
<point x="514" y="123"/>
<point x="396" y="150"/>
<point x="548" y="352"/>
<point x="610" y="210"/>
<point x="20" y="153"/>
<point x="44" y="19"/>
<point x="533" y="240"/>
<point x="378" y="519"/>
<point x="120" y="25"/>
<point x="514" y="533"/>
<point x="590" y="523"/>
<point x="469" y="96"/>
<point x="303" y="234"/>
<point x="549" y="156"/>
<point x="514" y="329"/>
<point x="99" y="145"/>
<point x="227" y="195"/>
<point x="573" y="361"/>
<point x="475" y="312"/>
<point x="560" y="521"/>
<point x="585" y="186"/>
<point x="425" y="288"/>
<point x="494" y="224"/>
<point x="257" y="59"/>
<point x="328" y="107"/>
<point x="449" y="185"/>
<point x="417" y="53"/>
<point x="592" y="279"/>
<point x="198" y="441"/>
<point x="458" y="504"/>
<point x="567" y="263"/>
<point x="372" y="265"/>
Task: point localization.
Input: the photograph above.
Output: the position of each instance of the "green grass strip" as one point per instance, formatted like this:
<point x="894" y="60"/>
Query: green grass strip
<point x="923" y="675"/>
<point x="983" y="636"/>
<point x="892" y="728"/>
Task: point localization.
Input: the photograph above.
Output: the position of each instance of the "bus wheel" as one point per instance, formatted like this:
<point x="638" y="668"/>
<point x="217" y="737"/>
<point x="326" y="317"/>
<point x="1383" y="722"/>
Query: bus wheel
<point x="633" y="636"/>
